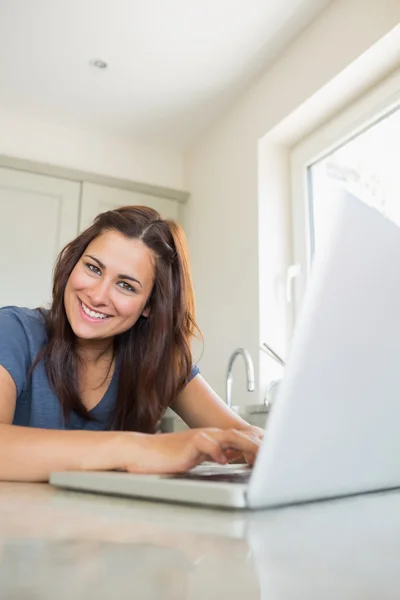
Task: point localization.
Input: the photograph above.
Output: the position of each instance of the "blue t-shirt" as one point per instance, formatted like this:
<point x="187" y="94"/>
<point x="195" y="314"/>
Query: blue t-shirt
<point x="22" y="335"/>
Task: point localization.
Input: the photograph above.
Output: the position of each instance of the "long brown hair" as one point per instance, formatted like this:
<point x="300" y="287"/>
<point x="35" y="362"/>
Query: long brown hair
<point x="153" y="357"/>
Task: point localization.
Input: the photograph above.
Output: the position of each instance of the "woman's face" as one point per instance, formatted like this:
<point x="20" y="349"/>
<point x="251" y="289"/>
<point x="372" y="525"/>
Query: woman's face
<point x="109" y="287"/>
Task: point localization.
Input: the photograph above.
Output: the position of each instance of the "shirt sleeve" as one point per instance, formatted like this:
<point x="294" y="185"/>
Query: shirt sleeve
<point x="14" y="347"/>
<point x="195" y="371"/>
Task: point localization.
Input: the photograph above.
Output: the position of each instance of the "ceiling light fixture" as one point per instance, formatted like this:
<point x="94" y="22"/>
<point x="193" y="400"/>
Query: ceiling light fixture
<point x="99" y="64"/>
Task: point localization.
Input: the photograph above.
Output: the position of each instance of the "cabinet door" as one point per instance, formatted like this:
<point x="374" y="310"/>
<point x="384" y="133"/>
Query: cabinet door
<point x="38" y="216"/>
<point x="99" y="198"/>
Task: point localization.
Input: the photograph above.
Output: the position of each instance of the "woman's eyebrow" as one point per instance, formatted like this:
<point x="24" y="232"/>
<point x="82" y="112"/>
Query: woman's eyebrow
<point x="120" y="276"/>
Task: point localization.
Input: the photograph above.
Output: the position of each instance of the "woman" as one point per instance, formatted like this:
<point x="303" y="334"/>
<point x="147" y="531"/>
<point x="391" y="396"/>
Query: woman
<point x="84" y="384"/>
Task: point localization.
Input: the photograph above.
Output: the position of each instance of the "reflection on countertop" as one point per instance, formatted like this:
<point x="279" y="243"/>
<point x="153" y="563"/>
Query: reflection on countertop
<point x="60" y="544"/>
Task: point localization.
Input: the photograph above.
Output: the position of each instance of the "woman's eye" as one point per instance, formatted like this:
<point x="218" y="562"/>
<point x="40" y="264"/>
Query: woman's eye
<point x="125" y="286"/>
<point x="93" y="268"/>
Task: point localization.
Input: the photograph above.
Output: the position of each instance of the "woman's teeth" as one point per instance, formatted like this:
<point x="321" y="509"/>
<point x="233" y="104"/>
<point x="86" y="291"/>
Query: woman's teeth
<point x="91" y="313"/>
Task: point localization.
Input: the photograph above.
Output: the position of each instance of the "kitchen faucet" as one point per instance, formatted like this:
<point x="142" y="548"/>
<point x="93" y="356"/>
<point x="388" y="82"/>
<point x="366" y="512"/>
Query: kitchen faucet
<point x="249" y="373"/>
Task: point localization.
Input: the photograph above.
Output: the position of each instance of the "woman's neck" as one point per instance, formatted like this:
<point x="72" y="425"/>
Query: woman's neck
<point x="94" y="351"/>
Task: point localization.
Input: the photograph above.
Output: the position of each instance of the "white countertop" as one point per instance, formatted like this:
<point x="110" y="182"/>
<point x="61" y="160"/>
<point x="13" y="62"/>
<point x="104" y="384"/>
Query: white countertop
<point x="61" y="545"/>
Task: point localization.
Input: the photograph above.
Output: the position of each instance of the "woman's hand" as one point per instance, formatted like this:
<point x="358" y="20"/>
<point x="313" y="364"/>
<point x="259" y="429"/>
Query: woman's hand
<point x="234" y="456"/>
<point x="178" y="452"/>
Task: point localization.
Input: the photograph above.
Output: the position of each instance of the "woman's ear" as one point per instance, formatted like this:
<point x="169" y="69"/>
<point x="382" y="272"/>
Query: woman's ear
<point x="146" y="312"/>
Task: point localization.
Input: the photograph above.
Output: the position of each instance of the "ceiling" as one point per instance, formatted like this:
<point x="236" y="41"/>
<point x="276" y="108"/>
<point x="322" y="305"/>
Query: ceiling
<point x="173" y="65"/>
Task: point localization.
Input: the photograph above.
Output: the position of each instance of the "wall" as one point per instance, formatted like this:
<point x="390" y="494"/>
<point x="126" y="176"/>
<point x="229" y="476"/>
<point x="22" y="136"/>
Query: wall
<point x="26" y="138"/>
<point x="221" y="173"/>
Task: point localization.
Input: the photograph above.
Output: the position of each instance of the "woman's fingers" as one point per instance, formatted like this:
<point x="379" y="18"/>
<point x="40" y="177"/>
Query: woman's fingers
<point x="234" y="456"/>
<point x="207" y="444"/>
<point x="240" y="440"/>
<point x="223" y="445"/>
<point x="258" y="431"/>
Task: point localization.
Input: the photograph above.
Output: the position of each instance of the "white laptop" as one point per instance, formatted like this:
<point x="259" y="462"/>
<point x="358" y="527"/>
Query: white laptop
<point x="334" y="429"/>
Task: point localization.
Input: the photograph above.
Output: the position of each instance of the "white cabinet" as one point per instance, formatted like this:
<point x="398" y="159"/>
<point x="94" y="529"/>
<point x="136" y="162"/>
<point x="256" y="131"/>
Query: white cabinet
<point x="99" y="198"/>
<point x="38" y="216"/>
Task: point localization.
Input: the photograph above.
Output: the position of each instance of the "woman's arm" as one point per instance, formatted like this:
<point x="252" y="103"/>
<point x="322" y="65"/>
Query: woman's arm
<point x="30" y="454"/>
<point x="199" y="406"/>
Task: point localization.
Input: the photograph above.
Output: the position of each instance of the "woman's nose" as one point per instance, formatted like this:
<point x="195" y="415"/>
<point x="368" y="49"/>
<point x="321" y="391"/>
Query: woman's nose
<point x="99" y="294"/>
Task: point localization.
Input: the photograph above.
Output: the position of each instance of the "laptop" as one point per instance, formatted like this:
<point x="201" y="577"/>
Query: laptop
<point x="334" y="428"/>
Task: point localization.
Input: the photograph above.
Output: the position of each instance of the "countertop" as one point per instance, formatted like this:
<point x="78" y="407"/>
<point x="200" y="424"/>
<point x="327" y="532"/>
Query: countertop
<point x="58" y="545"/>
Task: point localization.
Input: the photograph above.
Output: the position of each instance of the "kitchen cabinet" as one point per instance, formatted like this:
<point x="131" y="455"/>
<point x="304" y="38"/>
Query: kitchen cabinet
<point x="38" y="216"/>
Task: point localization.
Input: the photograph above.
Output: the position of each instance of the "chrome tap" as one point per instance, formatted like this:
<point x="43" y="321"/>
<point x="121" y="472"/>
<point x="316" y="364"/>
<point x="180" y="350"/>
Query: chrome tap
<point x="249" y="373"/>
<point x="268" y="350"/>
<point x="272" y="388"/>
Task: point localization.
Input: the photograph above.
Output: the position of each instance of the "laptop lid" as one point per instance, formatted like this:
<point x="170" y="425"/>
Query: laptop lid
<point x="334" y="427"/>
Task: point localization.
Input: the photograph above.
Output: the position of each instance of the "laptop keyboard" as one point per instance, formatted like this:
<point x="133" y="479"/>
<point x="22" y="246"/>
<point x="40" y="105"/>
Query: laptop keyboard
<point x="239" y="477"/>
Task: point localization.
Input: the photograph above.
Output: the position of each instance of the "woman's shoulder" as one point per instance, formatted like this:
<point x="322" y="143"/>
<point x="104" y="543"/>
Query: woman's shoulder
<point x="22" y="335"/>
<point x="30" y="321"/>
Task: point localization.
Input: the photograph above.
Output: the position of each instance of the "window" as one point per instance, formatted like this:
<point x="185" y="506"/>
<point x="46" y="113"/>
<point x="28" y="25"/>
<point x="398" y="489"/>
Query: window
<point x="359" y="149"/>
<point x="368" y="165"/>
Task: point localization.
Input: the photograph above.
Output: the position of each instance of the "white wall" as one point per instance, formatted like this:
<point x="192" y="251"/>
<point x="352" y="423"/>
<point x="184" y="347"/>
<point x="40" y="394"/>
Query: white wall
<point x="221" y="173"/>
<point x="30" y="139"/>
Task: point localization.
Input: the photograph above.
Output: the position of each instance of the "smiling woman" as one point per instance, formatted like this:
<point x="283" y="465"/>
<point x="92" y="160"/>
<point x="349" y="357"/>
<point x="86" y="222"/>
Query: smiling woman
<point x="97" y="293"/>
<point x="110" y="355"/>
